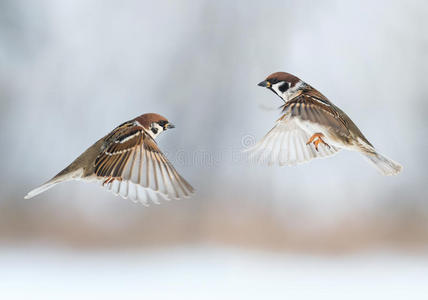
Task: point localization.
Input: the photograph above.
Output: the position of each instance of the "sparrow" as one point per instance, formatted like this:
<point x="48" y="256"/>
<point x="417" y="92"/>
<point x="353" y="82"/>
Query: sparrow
<point x="311" y="127"/>
<point x="128" y="162"/>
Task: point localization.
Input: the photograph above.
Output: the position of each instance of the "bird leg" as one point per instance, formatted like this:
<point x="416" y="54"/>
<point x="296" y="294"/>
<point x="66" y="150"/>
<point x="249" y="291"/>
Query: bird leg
<point x="317" y="139"/>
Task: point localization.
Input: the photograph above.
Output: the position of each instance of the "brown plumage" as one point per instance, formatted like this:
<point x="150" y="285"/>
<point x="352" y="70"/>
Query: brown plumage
<point x="128" y="162"/>
<point x="311" y="105"/>
<point x="282" y="76"/>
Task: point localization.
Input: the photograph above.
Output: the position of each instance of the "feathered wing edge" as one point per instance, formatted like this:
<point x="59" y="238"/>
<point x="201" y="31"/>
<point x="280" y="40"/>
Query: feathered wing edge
<point x="137" y="170"/>
<point x="285" y="144"/>
<point x="142" y="173"/>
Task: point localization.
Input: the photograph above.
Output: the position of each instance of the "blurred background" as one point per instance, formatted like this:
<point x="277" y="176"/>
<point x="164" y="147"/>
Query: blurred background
<point x="70" y="71"/>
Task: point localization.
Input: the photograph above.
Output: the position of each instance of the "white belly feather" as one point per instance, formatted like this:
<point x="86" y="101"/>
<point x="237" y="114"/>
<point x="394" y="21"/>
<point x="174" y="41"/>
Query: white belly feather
<point x="311" y="128"/>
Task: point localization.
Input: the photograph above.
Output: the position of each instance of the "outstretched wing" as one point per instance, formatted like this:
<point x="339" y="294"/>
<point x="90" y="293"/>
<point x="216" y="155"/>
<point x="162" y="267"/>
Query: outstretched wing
<point x="312" y="106"/>
<point x="133" y="166"/>
<point x="285" y="144"/>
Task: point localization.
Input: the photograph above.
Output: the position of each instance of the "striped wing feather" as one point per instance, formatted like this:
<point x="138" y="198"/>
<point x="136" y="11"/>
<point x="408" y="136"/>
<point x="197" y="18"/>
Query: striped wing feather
<point x="314" y="107"/>
<point x="132" y="166"/>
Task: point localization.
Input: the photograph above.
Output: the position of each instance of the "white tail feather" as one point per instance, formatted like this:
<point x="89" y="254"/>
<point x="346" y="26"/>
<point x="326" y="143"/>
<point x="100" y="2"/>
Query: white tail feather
<point x="385" y="165"/>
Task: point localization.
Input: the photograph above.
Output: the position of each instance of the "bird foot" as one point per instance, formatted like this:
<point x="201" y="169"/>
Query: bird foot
<point x="317" y="139"/>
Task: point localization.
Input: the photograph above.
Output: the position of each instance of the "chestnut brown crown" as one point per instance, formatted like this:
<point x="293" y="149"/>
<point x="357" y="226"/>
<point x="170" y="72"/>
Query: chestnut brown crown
<point x="148" y="119"/>
<point x="279" y="77"/>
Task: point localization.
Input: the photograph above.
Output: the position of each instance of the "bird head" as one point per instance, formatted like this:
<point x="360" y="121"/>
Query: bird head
<point x="154" y="124"/>
<point x="283" y="84"/>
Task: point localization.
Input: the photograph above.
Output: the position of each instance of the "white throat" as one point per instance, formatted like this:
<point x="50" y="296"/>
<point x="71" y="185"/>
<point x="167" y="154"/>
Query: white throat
<point x="157" y="130"/>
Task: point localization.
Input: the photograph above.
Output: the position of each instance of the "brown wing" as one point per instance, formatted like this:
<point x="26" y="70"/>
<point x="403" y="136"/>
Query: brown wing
<point x="315" y="107"/>
<point x="132" y="165"/>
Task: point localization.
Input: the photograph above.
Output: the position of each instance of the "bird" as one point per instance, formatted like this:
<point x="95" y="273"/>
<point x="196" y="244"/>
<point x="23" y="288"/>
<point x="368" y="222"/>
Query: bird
<point x="128" y="162"/>
<point x="311" y="127"/>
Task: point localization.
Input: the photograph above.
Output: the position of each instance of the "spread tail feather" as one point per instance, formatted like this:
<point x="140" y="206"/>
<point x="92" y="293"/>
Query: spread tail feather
<point x="41" y="189"/>
<point x="61" y="177"/>
<point x="385" y="165"/>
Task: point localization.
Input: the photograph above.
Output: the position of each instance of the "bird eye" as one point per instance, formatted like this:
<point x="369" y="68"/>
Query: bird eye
<point x="283" y="87"/>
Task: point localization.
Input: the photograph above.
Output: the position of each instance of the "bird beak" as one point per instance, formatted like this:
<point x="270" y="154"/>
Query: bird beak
<point x="265" y="84"/>
<point x="170" y="126"/>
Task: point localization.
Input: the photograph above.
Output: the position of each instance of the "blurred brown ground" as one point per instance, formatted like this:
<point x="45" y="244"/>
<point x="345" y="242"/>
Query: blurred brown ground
<point x="228" y="223"/>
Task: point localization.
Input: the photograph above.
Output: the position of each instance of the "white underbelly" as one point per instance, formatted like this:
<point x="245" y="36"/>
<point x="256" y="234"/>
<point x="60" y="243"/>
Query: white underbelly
<point x="311" y="128"/>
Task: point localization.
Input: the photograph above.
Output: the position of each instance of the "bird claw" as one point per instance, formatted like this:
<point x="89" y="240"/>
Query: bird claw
<point x="317" y="139"/>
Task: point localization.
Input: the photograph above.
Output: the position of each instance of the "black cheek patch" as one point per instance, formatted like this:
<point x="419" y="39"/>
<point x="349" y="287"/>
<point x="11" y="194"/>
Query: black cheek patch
<point x="154" y="130"/>
<point x="285" y="86"/>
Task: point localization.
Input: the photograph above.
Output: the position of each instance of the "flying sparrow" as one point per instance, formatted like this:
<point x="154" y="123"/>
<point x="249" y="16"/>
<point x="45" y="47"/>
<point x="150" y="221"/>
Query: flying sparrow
<point x="311" y="127"/>
<point x="128" y="162"/>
